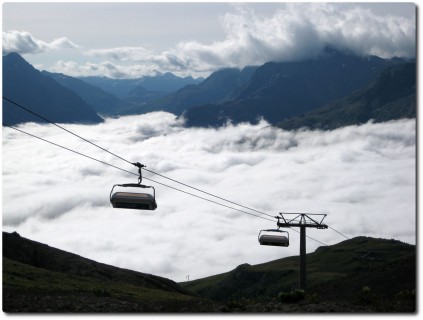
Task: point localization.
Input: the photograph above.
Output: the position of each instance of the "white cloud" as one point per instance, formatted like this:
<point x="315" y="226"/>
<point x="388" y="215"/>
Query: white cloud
<point x="23" y="42"/>
<point x="105" y="68"/>
<point x="364" y="177"/>
<point x="363" y="32"/>
<point x="297" y="32"/>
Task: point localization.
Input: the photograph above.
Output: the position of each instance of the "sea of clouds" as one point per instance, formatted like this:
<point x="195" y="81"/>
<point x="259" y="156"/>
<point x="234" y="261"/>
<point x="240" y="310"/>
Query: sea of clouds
<point x="362" y="177"/>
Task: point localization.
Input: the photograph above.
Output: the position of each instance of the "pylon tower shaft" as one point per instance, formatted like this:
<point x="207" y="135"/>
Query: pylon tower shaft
<point x="302" y="221"/>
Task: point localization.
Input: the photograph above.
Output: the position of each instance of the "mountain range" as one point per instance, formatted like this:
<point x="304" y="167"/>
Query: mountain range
<point x="219" y="87"/>
<point x="134" y="94"/>
<point x="362" y="274"/>
<point x="279" y="91"/>
<point x="391" y="96"/>
<point x="328" y="86"/>
<point x="162" y="82"/>
<point x="102" y="102"/>
<point x="27" y="86"/>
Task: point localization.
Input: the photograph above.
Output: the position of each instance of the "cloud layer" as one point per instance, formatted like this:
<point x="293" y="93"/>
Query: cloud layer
<point x="363" y="177"/>
<point x="294" y="32"/>
<point x="23" y="42"/>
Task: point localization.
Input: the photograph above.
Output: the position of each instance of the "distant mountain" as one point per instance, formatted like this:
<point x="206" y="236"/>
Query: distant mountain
<point x="140" y="95"/>
<point x="281" y="90"/>
<point x="121" y="88"/>
<point x="219" y="87"/>
<point x="104" y="103"/>
<point x="136" y="100"/>
<point x="167" y="82"/>
<point x="274" y="91"/>
<point x="392" y="96"/>
<point x="25" y="85"/>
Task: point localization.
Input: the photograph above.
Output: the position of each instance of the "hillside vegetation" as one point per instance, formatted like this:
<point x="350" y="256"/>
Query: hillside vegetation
<point x="335" y="273"/>
<point x="358" y="275"/>
<point x="38" y="278"/>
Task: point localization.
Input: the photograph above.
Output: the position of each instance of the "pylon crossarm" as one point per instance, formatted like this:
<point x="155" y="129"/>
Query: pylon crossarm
<point x="293" y="219"/>
<point x="302" y="219"/>
<point x="298" y="225"/>
<point x="324" y="216"/>
<point x="312" y="219"/>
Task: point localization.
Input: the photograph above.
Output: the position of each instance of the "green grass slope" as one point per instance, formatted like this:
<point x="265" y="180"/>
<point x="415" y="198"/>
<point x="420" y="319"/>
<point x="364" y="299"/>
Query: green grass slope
<point x="334" y="273"/>
<point x="39" y="278"/>
<point x="358" y="275"/>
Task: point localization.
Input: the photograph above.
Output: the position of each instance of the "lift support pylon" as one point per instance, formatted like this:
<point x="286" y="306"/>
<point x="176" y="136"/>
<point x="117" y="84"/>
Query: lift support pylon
<point x="302" y="221"/>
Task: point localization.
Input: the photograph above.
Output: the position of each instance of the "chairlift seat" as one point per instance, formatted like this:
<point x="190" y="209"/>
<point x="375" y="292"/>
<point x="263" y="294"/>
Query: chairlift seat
<point x="273" y="240"/>
<point x="131" y="200"/>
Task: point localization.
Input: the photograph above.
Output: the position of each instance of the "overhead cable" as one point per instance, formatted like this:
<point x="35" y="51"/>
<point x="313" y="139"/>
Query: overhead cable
<point x="163" y="176"/>
<point x="53" y="123"/>
<point x="310" y="237"/>
<point x="176" y="181"/>
<point x="339" y="233"/>
<point x="210" y="194"/>
<point x="183" y="191"/>
<point x="103" y="162"/>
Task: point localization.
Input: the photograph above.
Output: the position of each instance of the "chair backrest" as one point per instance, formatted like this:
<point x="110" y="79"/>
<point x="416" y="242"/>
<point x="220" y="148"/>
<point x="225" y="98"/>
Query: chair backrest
<point x="274" y="240"/>
<point x="130" y="200"/>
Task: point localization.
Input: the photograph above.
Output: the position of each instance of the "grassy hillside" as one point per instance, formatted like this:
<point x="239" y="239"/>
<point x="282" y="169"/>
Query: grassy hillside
<point x="38" y="278"/>
<point x="358" y="275"/>
<point x="335" y="273"/>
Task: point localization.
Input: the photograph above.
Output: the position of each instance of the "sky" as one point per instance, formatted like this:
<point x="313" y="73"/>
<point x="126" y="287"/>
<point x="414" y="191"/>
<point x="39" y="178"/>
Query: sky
<point x="363" y="178"/>
<point x="130" y="40"/>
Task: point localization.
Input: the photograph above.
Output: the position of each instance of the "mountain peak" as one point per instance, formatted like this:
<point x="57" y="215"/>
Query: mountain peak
<point x="16" y="61"/>
<point x="27" y="86"/>
<point x="14" y="55"/>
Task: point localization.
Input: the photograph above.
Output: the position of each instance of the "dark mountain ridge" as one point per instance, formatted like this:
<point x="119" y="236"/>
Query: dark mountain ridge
<point x="121" y="88"/>
<point x="219" y="87"/>
<point x="281" y="90"/>
<point x="106" y="103"/>
<point x="167" y="82"/>
<point x="25" y="85"/>
<point x="103" y="102"/>
<point x="391" y="96"/>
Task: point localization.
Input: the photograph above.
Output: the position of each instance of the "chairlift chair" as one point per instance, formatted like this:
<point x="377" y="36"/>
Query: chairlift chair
<point x="270" y="238"/>
<point x="134" y="200"/>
